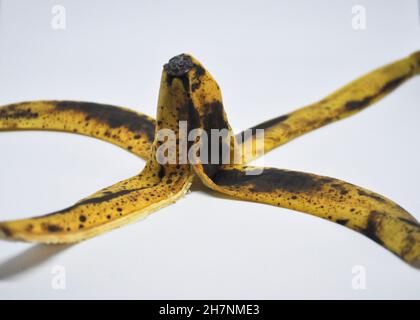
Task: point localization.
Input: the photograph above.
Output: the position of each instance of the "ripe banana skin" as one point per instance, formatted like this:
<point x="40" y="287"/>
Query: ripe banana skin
<point x="128" y="129"/>
<point x="357" y="208"/>
<point x="348" y="100"/>
<point x="135" y="131"/>
<point x="189" y="93"/>
<point x="129" y="200"/>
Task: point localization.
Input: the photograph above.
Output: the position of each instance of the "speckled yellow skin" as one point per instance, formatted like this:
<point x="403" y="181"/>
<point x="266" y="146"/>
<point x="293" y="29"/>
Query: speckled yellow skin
<point x="191" y="94"/>
<point x="132" y="199"/>
<point x="128" y="129"/>
<point x="350" y="99"/>
<point x="362" y="210"/>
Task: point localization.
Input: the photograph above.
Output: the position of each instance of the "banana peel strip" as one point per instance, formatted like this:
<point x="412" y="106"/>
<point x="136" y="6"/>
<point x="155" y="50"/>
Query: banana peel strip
<point x="189" y="93"/>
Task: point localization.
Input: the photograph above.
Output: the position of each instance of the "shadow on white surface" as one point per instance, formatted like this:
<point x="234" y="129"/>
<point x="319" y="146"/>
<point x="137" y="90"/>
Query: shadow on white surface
<point x="29" y="259"/>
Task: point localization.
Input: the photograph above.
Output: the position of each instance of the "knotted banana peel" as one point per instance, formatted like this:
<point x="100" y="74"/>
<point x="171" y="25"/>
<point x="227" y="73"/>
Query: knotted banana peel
<point x="189" y="93"/>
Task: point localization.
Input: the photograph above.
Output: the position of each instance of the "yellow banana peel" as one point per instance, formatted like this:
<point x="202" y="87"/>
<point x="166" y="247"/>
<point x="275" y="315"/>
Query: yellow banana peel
<point x="189" y="94"/>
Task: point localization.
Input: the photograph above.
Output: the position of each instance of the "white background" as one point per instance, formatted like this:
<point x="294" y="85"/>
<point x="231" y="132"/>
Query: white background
<point x="269" y="58"/>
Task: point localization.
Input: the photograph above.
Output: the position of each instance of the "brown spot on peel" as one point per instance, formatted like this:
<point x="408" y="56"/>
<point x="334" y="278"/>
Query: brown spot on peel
<point x="373" y="226"/>
<point x="371" y="195"/>
<point x="15" y="112"/>
<point x="6" y="231"/>
<point x="410" y="222"/>
<point x="343" y="222"/>
<point x="271" y="179"/>
<point x="113" y="116"/>
<point x="354" y="105"/>
<point x="214" y="119"/>
<point x="52" y="227"/>
<point x="264" y="125"/>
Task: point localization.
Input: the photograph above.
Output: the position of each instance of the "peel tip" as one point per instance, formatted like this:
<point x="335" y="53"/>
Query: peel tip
<point x="179" y="65"/>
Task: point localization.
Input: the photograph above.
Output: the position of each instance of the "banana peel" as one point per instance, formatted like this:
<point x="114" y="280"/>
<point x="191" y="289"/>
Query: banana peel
<point x="189" y="93"/>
